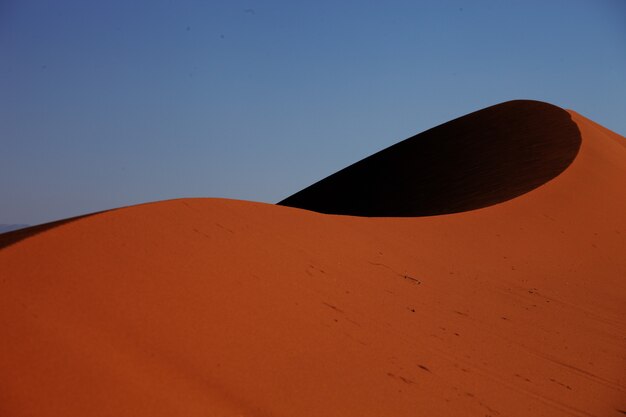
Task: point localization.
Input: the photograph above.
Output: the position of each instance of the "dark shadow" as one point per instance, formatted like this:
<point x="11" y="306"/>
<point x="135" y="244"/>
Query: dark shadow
<point x="475" y="161"/>
<point x="9" y="238"/>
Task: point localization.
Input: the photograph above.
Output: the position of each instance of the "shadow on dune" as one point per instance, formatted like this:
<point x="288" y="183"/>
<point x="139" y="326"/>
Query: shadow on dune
<point x="484" y="158"/>
<point x="477" y="160"/>
<point x="10" y="238"/>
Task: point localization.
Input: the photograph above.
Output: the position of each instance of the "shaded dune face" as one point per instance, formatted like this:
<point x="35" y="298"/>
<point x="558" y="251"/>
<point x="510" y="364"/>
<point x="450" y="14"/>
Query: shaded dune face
<point x="484" y="158"/>
<point x="14" y="236"/>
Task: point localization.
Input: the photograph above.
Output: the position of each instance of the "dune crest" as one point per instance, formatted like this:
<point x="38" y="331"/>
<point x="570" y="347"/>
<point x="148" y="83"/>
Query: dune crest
<point x="199" y="307"/>
<point x="481" y="159"/>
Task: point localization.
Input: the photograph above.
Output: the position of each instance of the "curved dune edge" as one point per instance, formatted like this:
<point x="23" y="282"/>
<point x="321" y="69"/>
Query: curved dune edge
<point x="478" y="160"/>
<point x="202" y="307"/>
<point x="14" y="236"/>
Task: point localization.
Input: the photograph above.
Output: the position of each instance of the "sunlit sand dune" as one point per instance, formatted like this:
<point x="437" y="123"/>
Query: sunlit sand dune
<point x="513" y="305"/>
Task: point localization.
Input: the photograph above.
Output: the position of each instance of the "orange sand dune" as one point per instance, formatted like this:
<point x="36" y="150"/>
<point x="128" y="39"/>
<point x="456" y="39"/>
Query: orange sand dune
<point x="210" y="307"/>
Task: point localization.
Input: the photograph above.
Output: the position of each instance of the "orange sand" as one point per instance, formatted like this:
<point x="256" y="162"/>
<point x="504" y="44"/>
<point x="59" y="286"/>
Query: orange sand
<point x="211" y="307"/>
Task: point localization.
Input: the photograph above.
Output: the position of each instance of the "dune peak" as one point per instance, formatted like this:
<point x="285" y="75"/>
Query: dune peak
<point x="477" y="160"/>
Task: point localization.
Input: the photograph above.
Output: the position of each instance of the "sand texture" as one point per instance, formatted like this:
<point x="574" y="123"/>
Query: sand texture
<point x="212" y="307"/>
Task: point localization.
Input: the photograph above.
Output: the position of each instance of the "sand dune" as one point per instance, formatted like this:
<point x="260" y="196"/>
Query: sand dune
<point x="477" y="160"/>
<point x="9" y="227"/>
<point x="211" y="307"/>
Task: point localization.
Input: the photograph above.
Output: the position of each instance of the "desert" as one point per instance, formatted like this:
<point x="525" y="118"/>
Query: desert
<point x="485" y="279"/>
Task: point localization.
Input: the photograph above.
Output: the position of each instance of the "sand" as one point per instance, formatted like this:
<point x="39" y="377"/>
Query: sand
<point x="212" y="307"/>
<point x="483" y="158"/>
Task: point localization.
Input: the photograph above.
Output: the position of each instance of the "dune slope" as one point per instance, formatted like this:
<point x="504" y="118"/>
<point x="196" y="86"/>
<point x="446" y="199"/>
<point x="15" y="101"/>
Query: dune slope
<point x="217" y="307"/>
<point x="477" y="160"/>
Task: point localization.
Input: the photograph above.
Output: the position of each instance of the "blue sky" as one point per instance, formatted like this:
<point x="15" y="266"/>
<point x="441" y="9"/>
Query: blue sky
<point x="111" y="103"/>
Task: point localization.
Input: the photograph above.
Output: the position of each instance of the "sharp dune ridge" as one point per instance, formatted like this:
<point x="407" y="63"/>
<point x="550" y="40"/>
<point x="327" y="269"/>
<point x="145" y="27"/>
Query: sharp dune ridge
<point x="515" y="305"/>
<point x="9" y="227"/>
<point x="477" y="160"/>
<point x="14" y="236"/>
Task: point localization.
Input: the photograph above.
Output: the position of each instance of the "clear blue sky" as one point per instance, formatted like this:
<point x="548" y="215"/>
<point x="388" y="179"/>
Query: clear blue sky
<point x="112" y="103"/>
